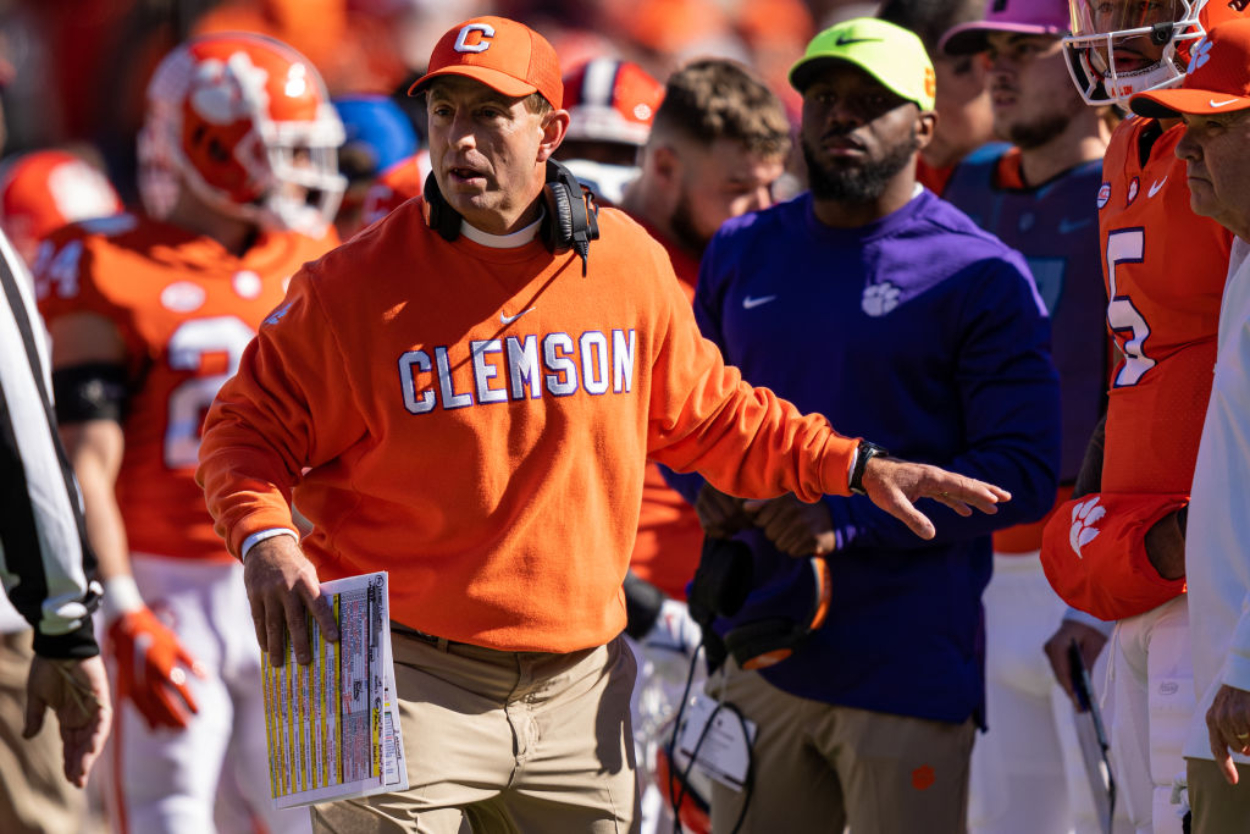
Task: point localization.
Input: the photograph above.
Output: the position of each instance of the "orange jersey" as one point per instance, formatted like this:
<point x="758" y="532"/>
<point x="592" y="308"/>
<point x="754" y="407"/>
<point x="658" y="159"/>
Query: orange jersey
<point x="1164" y="269"/>
<point x="186" y="310"/>
<point x="476" y="422"/>
<point x="670" y="537"/>
<point x="395" y="186"/>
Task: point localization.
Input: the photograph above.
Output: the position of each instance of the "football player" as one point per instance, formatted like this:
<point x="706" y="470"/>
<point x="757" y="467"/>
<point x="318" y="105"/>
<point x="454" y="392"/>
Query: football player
<point x="1117" y="551"/>
<point x="149" y="313"/>
<point x="378" y="136"/>
<point x="611" y="106"/>
<point x="42" y="191"/>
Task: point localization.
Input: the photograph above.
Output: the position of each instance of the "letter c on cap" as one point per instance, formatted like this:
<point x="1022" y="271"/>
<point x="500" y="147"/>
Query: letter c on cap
<point x="482" y="44"/>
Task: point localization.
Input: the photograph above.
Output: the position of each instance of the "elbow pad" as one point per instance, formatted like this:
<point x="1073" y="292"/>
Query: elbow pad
<point x="1094" y="554"/>
<point x="96" y="391"/>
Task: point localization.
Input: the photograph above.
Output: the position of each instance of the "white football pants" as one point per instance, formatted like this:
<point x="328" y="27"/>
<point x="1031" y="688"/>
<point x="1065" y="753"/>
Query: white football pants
<point x="1027" y="772"/>
<point x="1151" y="686"/>
<point x="214" y="775"/>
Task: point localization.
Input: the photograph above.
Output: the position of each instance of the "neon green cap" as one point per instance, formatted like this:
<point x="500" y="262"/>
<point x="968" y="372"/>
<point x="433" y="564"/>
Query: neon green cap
<point x="889" y="53"/>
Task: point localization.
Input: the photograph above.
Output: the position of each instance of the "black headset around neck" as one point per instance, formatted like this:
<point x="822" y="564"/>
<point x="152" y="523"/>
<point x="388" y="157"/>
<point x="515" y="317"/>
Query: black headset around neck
<point x="570" y="222"/>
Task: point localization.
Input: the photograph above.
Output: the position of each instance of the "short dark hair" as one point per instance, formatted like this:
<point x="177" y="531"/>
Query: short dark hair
<point x="931" y="19"/>
<point x="715" y="98"/>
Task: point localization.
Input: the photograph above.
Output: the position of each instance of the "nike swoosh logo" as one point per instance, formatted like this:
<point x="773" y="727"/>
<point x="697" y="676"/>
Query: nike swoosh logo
<point x="1067" y="227"/>
<point x="843" y="40"/>
<point x="509" y="319"/>
<point x="1154" y="189"/>
<point x="1215" y="103"/>
<point x="750" y="303"/>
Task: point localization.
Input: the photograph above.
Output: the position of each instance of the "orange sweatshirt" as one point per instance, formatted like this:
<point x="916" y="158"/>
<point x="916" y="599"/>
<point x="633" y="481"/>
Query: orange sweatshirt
<point x="476" y="421"/>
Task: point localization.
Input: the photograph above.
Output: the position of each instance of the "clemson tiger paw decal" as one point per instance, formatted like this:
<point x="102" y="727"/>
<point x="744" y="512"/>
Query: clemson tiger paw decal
<point x="1084" y="518"/>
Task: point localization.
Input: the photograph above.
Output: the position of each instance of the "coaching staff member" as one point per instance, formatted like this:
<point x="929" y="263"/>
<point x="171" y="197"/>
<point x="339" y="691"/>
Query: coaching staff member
<point x="1214" y="102"/>
<point x="474" y="408"/>
<point x="44" y="558"/>
<point x="871" y="299"/>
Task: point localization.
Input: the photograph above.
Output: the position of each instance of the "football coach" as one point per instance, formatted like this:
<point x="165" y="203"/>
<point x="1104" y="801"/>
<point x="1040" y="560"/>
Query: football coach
<point x="1214" y="103"/>
<point x="465" y="395"/>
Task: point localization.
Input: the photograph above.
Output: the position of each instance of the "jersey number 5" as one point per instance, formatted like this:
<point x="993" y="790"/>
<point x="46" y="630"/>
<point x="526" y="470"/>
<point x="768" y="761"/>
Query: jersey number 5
<point x="1127" y="246"/>
<point x="190" y="349"/>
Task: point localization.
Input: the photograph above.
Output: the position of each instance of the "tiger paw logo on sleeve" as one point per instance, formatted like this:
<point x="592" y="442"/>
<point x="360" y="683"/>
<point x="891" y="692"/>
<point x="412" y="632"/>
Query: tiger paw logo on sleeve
<point x="1084" y="516"/>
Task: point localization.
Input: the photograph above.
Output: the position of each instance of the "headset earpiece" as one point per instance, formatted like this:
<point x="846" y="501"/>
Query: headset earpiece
<point x="439" y="215"/>
<point x="758" y="644"/>
<point x="572" y="215"/>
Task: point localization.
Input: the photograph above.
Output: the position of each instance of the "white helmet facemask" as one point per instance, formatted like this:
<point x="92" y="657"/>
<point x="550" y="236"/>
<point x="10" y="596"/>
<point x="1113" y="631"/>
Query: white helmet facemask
<point x="1110" y="36"/>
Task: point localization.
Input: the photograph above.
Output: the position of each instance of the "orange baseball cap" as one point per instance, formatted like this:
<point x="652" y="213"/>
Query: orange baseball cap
<point x="506" y="56"/>
<point x="1218" y="80"/>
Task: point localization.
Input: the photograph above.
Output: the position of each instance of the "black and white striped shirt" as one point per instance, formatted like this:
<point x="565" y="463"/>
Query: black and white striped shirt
<point x="45" y="561"/>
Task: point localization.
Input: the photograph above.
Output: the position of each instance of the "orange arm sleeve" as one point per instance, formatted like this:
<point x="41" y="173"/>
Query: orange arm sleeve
<point x="259" y="434"/>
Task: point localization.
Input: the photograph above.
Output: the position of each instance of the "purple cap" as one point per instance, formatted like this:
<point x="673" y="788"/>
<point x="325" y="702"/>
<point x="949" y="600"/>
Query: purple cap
<point x="1027" y="17"/>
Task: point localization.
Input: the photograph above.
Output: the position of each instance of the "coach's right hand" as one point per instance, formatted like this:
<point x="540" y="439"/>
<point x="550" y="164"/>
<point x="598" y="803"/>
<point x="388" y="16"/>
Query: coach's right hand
<point x="281" y="586"/>
<point x="895" y="485"/>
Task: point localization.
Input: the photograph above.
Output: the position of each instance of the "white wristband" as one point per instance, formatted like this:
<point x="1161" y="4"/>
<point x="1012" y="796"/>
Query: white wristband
<point x="121" y="596"/>
<point x="256" y="538"/>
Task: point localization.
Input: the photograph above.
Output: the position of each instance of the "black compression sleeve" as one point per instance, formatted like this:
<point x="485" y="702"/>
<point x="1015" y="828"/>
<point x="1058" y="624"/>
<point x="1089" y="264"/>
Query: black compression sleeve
<point x="97" y="391"/>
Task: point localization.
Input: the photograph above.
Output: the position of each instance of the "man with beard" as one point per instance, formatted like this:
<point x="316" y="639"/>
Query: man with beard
<point x="1036" y="196"/>
<point x="871" y="299"/>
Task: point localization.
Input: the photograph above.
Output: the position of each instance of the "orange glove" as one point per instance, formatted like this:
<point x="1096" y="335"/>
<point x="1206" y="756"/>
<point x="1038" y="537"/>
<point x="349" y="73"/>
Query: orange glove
<point x="147" y="655"/>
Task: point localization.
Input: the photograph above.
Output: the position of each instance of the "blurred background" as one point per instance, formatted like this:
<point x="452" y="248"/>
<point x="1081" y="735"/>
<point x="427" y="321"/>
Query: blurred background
<point x="73" y="72"/>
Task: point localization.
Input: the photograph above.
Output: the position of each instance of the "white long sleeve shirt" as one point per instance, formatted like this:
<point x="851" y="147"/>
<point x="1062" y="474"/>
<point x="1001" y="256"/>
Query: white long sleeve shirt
<point x="1217" y="544"/>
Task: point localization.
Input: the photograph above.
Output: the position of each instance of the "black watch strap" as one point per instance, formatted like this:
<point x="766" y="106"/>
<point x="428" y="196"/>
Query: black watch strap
<point x="866" y="452"/>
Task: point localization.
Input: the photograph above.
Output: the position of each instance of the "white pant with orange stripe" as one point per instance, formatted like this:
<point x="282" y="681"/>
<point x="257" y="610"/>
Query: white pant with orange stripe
<point x="214" y="775"/>
<point x="1150" y="704"/>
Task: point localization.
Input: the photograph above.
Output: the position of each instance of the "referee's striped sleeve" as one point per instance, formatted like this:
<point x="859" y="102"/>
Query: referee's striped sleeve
<point x="45" y="561"/>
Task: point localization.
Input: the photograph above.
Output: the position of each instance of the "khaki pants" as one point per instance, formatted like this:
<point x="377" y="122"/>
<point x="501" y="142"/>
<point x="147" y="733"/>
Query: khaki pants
<point x="34" y="794"/>
<point x="1218" y="807"/>
<point x="819" y="767"/>
<point x="501" y="742"/>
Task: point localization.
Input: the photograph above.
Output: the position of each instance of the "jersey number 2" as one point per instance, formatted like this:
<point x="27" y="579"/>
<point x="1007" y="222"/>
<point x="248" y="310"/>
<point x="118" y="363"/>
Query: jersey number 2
<point x="1124" y="247"/>
<point x="189" y="346"/>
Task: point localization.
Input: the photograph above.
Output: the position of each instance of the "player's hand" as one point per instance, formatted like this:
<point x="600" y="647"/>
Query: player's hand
<point x="1165" y="547"/>
<point x="152" y="669"/>
<point x="895" y="486"/>
<point x="1228" y="725"/>
<point x="794" y="527"/>
<point x="719" y="514"/>
<point x="1089" y="641"/>
<point x="282" y="587"/>
<point x="78" y="692"/>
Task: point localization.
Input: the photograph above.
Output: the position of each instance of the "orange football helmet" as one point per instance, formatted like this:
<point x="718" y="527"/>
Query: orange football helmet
<point x="1104" y="51"/>
<point x="245" y="122"/>
<point x="42" y="191"/>
<point x="611" y="101"/>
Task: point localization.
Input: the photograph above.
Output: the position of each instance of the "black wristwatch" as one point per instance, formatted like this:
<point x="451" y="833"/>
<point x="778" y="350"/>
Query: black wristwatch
<point x="866" y="452"/>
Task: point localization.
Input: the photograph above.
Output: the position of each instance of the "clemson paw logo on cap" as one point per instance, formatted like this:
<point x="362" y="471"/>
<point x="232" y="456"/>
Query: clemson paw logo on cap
<point x="1084" y="516"/>
<point x="1200" y="55"/>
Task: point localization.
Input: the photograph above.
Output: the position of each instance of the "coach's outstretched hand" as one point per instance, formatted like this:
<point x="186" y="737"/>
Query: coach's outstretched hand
<point x="281" y="587"/>
<point x="895" y="486"/>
